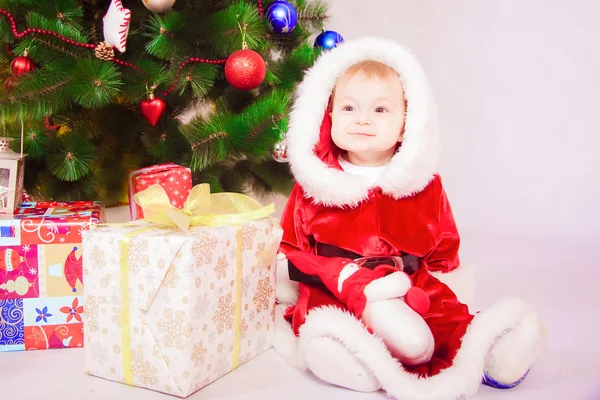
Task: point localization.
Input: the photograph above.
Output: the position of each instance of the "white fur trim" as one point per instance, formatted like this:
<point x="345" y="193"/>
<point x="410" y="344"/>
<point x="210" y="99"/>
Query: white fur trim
<point x="286" y="342"/>
<point x="462" y="282"/>
<point x="346" y="272"/>
<point x="409" y="171"/>
<point x="462" y="379"/>
<point x="286" y="291"/>
<point x="330" y="360"/>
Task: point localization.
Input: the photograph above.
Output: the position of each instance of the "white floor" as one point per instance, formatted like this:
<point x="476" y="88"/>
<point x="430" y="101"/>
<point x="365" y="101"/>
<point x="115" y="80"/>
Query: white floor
<point x="559" y="278"/>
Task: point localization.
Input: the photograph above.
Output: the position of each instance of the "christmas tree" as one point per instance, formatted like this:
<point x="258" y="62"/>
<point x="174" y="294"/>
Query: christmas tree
<point x="101" y="87"/>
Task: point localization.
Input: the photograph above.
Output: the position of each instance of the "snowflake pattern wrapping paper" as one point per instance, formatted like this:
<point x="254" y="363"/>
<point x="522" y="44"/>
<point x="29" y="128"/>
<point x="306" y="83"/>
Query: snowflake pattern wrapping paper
<point x="41" y="277"/>
<point x="175" y="179"/>
<point x="173" y="311"/>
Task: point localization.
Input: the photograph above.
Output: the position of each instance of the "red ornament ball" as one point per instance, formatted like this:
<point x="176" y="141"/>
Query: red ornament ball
<point x="21" y="65"/>
<point x="245" y="69"/>
<point x="9" y="84"/>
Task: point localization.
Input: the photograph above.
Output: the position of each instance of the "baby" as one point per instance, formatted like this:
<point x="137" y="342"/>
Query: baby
<point x="372" y="246"/>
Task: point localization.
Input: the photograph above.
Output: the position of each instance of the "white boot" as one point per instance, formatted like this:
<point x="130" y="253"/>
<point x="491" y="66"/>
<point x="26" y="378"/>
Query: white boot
<point x="330" y="361"/>
<point x="513" y="354"/>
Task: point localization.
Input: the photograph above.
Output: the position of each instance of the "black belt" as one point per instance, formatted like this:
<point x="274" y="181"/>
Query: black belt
<point x="407" y="263"/>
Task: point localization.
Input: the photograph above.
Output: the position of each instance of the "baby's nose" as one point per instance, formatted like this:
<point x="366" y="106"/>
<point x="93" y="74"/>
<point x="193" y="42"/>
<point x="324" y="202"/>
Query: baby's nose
<point x="364" y="118"/>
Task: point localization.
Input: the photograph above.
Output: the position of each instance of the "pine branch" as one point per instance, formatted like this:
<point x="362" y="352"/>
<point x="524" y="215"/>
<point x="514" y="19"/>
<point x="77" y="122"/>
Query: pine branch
<point x="94" y="83"/>
<point x="254" y="132"/>
<point x="63" y="12"/>
<point x="32" y="94"/>
<point x="293" y="68"/>
<point x="37" y="94"/>
<point x="251" y="133"/>
<point x="167" y="144"/>
<point x="164" y="32"/>
<point x="71" y="29"/>
<point x="56" y="47"/>
<point x="200" y="78"/>
<point x="137" y="85"/>
<point x="35" y="144"/>
<point x="71" y="157"/>
<point x="222" y="34"/>
<point x="209" y="142"/>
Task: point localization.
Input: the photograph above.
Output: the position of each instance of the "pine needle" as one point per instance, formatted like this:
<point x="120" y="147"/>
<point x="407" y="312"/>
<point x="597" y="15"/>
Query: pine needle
<point x="71" y="157"/>
<point x="94" y="83"/>
<point x="163" y="31"/>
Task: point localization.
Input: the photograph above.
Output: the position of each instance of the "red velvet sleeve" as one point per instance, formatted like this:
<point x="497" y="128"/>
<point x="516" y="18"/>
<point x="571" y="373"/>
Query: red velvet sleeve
<point x="298" y="249"/>
<point x="297" y="246"/>
<point x="292" y="223"/>
<point x="444" y="254"/>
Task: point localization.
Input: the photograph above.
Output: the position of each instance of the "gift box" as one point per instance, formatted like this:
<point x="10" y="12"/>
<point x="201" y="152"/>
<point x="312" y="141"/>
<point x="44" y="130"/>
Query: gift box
<point x="175" y="179"/>
<point x="173" y="310"/>
<point x="41" y="280"/>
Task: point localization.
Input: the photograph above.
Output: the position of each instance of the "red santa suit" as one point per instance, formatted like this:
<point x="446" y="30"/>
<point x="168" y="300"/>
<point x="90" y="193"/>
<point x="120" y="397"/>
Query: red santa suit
<point x="404" y="212"/>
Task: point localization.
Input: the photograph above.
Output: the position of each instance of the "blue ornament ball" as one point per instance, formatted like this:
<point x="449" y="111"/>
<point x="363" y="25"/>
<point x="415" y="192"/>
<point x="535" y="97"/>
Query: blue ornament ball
<point x="282" y="17"/>
<point x="328" y="40"/>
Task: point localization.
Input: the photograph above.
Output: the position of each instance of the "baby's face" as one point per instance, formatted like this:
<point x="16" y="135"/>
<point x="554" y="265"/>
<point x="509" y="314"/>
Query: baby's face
<point x="368" y="117"/>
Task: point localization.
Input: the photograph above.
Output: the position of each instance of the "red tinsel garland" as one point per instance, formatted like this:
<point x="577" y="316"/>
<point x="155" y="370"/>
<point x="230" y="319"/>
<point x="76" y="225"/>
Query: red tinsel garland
<point x="260" y="8"/>
<point x="91" y="46"/>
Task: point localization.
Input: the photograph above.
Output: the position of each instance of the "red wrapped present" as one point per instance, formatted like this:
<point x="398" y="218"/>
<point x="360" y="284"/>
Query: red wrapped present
<point x="41" y="274"/>
<point x="175" y="179"/>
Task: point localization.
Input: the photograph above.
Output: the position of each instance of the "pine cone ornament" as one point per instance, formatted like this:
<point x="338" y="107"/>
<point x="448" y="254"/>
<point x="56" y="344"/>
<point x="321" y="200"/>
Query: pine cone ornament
<point x="105" y="51"/>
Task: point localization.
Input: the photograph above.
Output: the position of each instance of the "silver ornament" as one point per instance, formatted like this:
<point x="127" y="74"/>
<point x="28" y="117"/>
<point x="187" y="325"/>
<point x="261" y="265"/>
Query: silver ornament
<point x="158" y="6"/>
<point x="280" y="152"/>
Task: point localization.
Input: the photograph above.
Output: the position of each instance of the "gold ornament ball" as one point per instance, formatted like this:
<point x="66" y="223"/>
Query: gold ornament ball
<point x="158" y="6"/>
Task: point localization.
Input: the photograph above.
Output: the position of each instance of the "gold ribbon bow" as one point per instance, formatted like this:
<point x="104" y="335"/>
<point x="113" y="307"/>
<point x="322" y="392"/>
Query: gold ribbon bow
<point x="200" y="208"/>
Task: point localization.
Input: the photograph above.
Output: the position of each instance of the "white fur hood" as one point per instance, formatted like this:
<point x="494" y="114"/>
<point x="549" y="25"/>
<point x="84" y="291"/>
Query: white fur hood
<point x="412" y="167"/>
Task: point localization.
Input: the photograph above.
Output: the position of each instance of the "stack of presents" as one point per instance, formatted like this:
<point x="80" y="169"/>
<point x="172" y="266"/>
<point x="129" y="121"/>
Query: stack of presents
<point x="170" y="301"/>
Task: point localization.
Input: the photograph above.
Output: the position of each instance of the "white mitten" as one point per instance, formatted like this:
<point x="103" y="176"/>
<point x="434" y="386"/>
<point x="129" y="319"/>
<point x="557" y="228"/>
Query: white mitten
<point x="402" y="329"/>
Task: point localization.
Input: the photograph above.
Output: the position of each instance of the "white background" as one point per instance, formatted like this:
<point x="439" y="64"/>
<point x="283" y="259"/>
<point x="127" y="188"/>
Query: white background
<point x="516" y="83"/>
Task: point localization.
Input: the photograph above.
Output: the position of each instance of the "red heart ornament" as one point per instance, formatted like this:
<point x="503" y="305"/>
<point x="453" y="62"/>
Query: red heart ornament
<point x="153" y="109"/>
